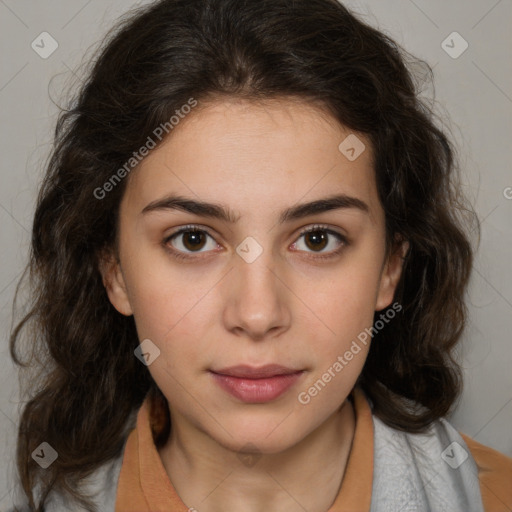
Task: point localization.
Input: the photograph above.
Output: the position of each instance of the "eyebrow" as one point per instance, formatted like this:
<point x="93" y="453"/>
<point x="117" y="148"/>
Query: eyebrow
<point x="218" y="211"/>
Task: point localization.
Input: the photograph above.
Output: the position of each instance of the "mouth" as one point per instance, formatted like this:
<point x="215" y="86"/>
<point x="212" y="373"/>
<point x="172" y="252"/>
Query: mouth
<point x="256" y="384"/>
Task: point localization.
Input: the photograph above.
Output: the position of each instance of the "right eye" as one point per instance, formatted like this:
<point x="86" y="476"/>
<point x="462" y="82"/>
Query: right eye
<point x="189" y="240"/>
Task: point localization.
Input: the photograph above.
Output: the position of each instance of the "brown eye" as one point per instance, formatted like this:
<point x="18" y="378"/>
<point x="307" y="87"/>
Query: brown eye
<point x="316" y="240"/>
<point x="190" y="240"/>
<point x="193" y="240"/>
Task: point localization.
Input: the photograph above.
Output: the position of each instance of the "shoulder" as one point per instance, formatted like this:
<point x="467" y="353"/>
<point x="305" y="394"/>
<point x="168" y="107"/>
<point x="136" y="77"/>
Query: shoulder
<point x="100" y="486"/>
<point x="433" y="470"/>
<point x="440" y="466"/>
<point x="495" y="475"/>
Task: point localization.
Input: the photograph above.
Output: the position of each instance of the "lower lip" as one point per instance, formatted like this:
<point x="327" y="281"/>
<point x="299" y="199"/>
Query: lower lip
<point x="257" y="391"/>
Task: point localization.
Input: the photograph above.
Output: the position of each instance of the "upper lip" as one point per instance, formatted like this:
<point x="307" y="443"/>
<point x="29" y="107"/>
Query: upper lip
<point x="253" y="372"/>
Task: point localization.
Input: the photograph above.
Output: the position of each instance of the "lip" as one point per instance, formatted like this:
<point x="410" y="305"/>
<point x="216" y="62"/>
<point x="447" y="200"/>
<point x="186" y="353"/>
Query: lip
<point x="256" y="372"/>
<point x="256" y="384"/>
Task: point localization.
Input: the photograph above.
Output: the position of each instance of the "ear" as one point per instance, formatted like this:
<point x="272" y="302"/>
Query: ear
<point x="113" y="281"/>
<point x="391" y="273"/>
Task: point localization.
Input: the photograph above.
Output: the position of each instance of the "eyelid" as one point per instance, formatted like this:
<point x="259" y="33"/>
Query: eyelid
<point x="320" y="227"/>
<point x="190" y="227"/>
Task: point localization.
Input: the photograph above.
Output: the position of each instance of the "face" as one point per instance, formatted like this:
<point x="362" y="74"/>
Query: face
<point x="257" y="277"/>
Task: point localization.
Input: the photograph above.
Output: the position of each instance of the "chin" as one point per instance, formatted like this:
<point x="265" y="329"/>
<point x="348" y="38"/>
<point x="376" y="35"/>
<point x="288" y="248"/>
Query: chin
<point x="263" y="437"/>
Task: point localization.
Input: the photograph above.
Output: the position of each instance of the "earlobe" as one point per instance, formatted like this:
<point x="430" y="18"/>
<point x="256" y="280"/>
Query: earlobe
<point x="391" y="276"/>
<point x="114" y="283"/>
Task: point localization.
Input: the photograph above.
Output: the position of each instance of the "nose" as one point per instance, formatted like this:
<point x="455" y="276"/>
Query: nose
<point x="257" y="305"/>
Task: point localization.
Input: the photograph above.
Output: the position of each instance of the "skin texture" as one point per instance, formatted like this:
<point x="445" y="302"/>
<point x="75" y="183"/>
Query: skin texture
<point x="288" y="306"/>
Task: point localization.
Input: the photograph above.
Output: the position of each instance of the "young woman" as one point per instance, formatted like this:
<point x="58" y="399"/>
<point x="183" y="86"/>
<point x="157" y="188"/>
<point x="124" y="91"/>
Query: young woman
<point x="249" y="261"/>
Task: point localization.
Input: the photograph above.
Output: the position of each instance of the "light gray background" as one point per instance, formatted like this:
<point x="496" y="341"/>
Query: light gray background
<point x="475" y="90"/>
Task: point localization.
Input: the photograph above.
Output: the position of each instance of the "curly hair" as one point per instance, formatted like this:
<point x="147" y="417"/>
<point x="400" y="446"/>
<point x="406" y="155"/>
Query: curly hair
<point x="150" y="64"/>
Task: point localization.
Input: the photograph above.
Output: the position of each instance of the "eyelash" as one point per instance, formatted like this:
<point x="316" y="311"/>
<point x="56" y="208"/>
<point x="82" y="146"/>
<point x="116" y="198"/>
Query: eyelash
<point x="194" y="227"/>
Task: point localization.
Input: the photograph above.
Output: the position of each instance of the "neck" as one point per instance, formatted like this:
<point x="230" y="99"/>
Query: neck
<point x="307" y="476"/>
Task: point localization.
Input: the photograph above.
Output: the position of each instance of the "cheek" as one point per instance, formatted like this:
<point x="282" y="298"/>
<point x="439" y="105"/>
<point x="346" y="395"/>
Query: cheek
<point x="174" y="323"/>
<point x="164" y="297"/>
<point x="347" y="305"/>
<point x="340" y="353"/>
<point x="343" y="348"/>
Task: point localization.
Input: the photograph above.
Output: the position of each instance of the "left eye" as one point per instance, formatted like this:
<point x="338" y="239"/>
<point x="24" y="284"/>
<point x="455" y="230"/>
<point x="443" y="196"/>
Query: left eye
<point x="318" y="238"/>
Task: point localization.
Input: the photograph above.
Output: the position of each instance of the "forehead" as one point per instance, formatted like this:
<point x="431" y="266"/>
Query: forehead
<point x="256" y="155"/>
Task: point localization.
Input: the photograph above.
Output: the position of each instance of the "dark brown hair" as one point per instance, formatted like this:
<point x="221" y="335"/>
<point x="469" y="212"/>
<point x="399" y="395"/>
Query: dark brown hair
<point x="150" y="65"/>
